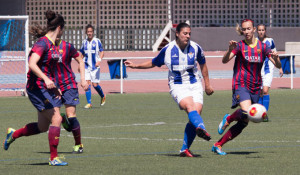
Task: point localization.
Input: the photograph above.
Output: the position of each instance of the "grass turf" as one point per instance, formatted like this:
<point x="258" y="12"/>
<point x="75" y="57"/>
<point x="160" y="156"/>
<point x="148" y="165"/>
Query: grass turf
<point x="142" y="134"/>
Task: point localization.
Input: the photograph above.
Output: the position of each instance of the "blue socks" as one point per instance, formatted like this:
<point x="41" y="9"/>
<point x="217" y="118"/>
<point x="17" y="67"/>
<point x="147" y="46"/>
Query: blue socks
<point x="189" y="136"/>
<point x="88" y="95"/>
<point x="99" y="90"/>
<point x="265" y="101"/>
<point x="196" y="119"/>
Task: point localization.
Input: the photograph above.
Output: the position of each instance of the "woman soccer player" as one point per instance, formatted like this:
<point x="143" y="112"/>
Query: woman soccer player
<point x="267" y="68"/>
<point x="92" y="51"/>
<point x="249" y="54"/>
<point x="65" y="78"/>
<point x="41" y="89"/>
<point x="181" y="57"/>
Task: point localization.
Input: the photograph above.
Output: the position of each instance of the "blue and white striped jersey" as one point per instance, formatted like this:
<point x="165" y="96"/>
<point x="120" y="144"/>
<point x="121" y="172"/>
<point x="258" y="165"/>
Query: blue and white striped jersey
<point x="269" y="66"/>
<point x="182" y="64"/>
<point x="90" y="51"/>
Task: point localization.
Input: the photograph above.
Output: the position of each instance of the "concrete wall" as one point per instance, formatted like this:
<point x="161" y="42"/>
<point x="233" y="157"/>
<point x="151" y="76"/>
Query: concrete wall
<point x="217" y="38"/>
<point x="293" y="48"/>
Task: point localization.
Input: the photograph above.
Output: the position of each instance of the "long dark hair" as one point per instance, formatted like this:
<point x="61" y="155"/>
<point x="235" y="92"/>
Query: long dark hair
<point x="180" y="26"/>
<point x="266" y="36"/>
<point x="53" y="21"/>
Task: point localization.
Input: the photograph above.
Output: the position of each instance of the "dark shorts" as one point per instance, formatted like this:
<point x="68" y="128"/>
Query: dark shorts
<point x="43" y="99"/>
<point x="242" y="94"/>
<point x="70" y="97"/>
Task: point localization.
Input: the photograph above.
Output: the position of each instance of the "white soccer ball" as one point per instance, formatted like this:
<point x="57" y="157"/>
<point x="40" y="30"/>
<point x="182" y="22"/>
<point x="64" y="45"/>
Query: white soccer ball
<point x="257" y="113"/>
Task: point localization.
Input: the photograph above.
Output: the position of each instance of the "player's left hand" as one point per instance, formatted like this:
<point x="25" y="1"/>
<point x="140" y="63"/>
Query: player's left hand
<point x="280" y="72"/>
<point x="209" y="90"/>
<point x="57" y="93"/>
<point x="97" y="64"/>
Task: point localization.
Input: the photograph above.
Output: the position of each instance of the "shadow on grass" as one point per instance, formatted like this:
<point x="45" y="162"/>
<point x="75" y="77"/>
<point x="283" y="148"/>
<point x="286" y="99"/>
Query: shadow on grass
<point x="38" y="164"/>
<point x="177" y="155"/>
<point x="242" y="152"/>
<point x="58" y="153"/>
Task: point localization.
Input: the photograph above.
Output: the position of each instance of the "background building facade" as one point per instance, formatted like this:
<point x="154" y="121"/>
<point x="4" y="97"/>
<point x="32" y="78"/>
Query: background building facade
<point x="136" y="24"/>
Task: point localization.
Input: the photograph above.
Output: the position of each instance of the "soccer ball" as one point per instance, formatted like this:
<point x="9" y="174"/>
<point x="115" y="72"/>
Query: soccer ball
<point x="257" y="113"/>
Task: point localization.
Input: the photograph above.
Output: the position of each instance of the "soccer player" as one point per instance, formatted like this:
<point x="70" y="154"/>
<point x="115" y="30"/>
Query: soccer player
<point x="181" y="57"/>
<point x="65" y="78"/>
<point x="93" y="53"/>
<point x="267" y="68"/>
<point x="41" y="88"/>
<point x="249" y="54"/>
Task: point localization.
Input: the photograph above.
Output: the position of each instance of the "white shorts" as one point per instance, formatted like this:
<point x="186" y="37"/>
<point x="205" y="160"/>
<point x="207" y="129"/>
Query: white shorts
<point x="180" y="91"/>
<point x="93" y="75"/>
<point x="267" y="77"/>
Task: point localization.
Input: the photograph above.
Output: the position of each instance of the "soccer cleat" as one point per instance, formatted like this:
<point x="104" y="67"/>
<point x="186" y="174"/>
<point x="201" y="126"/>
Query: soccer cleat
<point x="57" y="162"/>
<point x="77" y="149"/>
<point x="203" y="134"/>
<point x="223" y="125"/>
<point x="266" y="118"/>
<point x="218" y="149"/>
<point x="65" y="123"/>
<point x="186" y="153"/>
<point x="9" y="138"/>
<point x="88" y="106"/>
<point x="103" y="100"/>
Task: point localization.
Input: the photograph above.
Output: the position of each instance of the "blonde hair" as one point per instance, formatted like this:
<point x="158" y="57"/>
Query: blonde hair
<point x="238" y="28"/>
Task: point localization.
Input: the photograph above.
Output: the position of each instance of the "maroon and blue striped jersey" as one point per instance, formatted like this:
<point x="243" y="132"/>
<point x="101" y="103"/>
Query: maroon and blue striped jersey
<point x="48" y="53"/>
<point x="248" y="63"/>
<point x="64" y="76"/>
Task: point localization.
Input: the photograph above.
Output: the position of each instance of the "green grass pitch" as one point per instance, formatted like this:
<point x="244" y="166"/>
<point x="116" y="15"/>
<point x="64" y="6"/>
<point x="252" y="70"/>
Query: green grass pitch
<point x="142" y="134"/>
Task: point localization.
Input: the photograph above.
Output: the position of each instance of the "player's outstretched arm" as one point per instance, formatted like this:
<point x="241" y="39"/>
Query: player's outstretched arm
<point x="204" y="71"/>
<point x="145" y="65"/>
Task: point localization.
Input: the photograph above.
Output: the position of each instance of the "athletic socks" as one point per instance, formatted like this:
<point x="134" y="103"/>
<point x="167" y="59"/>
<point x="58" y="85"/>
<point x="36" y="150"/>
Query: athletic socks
<point x="234" y="131"/>
<point x="75" y="130"/>
<point x="237" y="115"/>
<point x="99" y="90"/>
<point x="265" y="101"/>
<point x="53" y="137"/>
<point x="88" y="95"/>
<point x="196" y="119"/>
<point x="189" y="136"/>
<point x="27" y="130"/>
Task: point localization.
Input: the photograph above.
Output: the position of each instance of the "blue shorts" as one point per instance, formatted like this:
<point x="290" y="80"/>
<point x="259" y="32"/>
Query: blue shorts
<point x="43" y="99"/>
<point x="242" y="94"/>
<point x="70" y="97"/>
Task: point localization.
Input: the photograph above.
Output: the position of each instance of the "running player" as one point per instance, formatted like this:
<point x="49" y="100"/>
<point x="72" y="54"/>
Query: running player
<point x="181" y="57"/>
<point x="93" y="53"/>
<point x="267" y="69"/>
<point x="65" y="78"/>
<point x="41" y="89"/>
<point x="249" y="54"/>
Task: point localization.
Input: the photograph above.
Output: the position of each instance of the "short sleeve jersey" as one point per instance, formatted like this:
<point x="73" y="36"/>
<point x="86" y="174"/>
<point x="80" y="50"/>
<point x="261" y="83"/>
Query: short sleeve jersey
<point x="48" y="53"/>
<point x="64" y="76"/>
<point x="248" y="64"/>
<point x="90" y="51"/>
<point x="182" y="64"/>
<point x="269" y="66"/>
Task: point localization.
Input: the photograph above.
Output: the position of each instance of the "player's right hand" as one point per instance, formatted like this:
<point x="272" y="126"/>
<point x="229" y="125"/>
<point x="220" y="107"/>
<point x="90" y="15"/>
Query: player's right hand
<point x="84" y="85"/>
<point x="128" y="64"/>
<point x="50" y="84"/>
<point x="232" y="44"/>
